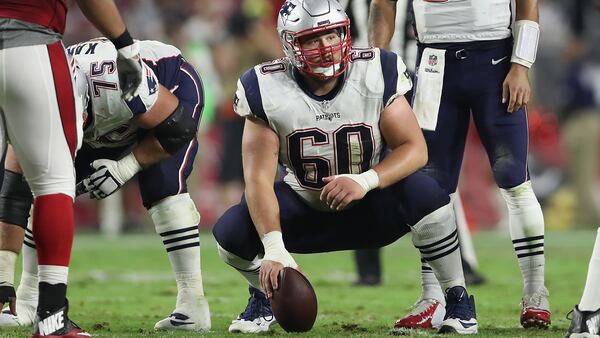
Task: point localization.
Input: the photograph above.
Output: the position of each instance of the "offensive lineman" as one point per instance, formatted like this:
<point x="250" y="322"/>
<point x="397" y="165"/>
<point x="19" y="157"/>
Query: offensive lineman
<point x="326" y="112"/>
<point x="469" y="65"/>
<point x="153" y="136"/>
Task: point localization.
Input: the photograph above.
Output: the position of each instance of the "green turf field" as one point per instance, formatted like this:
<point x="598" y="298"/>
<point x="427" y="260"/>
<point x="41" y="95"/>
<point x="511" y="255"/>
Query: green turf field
<point x="120" y="288"/>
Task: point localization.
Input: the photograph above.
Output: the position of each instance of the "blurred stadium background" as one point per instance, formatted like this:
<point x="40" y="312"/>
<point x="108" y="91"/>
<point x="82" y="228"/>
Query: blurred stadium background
<point x="222" y="39"/>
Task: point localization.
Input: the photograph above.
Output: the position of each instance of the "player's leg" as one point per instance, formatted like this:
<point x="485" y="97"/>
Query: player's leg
<point x="445" y="147"/>
<point x="585" y="320"/>
<point x="176" y="218"/>
<point x="505" y="137"/>
<point x="434" y="234"/>
<point x="15" y="203"/>
<point x="40" y="101"/>
<point x="368" y="265"/>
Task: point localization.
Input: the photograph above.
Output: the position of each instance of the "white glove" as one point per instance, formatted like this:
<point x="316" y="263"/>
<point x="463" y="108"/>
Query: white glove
<point x="130" y="70"/>
<point x="276" y="251"/>
<point x="110" y="176"/>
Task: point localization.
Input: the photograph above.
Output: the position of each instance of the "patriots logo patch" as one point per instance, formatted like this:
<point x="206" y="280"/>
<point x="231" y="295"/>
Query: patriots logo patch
<point x="152" y="83"/>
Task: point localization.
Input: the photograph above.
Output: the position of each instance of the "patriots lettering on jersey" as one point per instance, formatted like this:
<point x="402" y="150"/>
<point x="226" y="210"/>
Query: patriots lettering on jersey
<point x="51" y="324"/>
<point x="328" y="116"/>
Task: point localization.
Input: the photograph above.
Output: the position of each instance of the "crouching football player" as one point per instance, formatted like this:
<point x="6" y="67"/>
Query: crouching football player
<point x="327" y="113"/>
<point x="154" y="137"/>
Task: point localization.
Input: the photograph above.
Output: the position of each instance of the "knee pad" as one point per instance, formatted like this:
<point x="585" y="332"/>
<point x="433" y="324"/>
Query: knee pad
<point x="15" y="199"/>
<point x="176" y="221"/>
<point x="435" y="234"/>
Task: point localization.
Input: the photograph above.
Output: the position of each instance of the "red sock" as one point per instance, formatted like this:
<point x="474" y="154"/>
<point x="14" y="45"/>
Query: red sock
<point x="53" y="224"/>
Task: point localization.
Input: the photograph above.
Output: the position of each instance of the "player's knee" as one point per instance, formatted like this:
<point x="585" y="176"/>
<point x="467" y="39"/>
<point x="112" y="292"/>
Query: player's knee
<point x="238" y="262"/>
<point x="15" y="199"/>
<point x="520" y="196"/>
<point x="235" y="232"/>
<point x="435" y="234"/>
<point x="421" y="195"/>
<point x="176" y="130"/>
<point x="174" y="213"/>
<point x="508" y="171"/>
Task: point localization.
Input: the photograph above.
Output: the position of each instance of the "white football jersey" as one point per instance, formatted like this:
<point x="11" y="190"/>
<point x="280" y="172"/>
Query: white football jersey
<point x="109" y="116"/>
<point x="439" y="21"/>
<point x="323" y="136"/>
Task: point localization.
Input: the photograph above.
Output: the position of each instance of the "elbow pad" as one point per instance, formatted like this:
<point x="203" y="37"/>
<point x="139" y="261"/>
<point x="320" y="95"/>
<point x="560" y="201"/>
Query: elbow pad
<point x="176" y="130"/>
<point x="15" y="199"/>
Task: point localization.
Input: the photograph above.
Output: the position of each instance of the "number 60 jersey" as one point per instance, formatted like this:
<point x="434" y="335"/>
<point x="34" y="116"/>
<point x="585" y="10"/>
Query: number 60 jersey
<point x="327" y="135"/>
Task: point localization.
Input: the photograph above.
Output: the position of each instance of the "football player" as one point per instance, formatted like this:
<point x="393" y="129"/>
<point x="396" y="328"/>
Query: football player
<point x="471" y="63"/>
<point x="36" y="98"/>
<point x="327" y="112"/>
<point x="152" y="136"/>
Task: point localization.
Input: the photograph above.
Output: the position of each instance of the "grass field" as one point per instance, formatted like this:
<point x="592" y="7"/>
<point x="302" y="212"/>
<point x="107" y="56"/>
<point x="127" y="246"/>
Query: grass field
<point x="120" y="288"/>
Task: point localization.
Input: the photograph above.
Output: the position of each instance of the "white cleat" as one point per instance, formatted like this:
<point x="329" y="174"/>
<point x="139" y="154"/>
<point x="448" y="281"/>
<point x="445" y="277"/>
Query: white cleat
<point x="197" y="320"/>
<point x="257" y="317"/>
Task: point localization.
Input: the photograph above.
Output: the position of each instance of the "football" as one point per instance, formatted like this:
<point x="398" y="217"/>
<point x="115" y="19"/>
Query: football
<point x="294" y="303"/>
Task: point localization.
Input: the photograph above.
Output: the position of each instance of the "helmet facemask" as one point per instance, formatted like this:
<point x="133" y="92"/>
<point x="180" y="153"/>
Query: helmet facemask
<point x="324" y="61"/>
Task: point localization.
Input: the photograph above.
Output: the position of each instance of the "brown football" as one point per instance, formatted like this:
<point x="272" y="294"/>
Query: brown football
<point x="295" y="302"/>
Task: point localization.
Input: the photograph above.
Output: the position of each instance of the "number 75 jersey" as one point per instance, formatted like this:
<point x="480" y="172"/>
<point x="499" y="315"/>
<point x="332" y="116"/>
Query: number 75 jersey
<point x="320" y="136"/>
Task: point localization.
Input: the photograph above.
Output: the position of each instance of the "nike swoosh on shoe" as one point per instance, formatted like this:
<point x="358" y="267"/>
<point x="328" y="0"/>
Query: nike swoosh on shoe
<point x="466" y="325"/>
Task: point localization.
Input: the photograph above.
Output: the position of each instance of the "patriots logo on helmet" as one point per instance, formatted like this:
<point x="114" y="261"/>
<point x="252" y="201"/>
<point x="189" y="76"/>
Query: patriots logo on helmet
<point x="286" y="9"/>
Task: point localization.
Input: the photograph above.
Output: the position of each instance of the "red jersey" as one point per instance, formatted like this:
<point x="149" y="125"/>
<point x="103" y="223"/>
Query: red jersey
<point x="47" y="13"/>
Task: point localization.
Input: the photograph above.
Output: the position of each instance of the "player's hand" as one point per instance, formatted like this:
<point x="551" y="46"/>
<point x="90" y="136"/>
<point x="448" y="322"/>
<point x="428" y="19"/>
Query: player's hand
<point x="110" y="176"/>
<point x="269" y="271"/>
<point x="8" y="295"/>
<point x="129" y="67"/>
<point x="340" y="191"/>
<point x="515" y="89"/>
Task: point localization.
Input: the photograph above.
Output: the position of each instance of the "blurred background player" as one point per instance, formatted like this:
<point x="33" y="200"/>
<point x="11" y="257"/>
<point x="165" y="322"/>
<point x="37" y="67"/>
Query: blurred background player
<point x="466" y="68"/>
<point x="36" y="97"/>
<point x="152" y="136"/>
<point x="324" y="104"/>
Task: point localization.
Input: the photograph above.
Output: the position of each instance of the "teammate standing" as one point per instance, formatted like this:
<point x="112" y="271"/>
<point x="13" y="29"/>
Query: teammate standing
<point x="326" y="112"/>
<point x="38" y="111"/>
<point x="471" y="63"/>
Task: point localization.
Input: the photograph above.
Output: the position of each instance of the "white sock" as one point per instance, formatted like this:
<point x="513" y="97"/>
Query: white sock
<point x="526" y="223"/>
<point x="464" y="235"/>
<point x="53" y="274"/>
<point x="249" y="269"/>
<point x="436" y="238"/>
<point x="590" y="300"/>
<point x="29" y="253"/>
<point x="429" y="284"/>
<point x="176" y="221"/>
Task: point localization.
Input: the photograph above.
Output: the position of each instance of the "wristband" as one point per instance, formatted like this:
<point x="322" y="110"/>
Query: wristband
<point x="128" y="166"/>
<point x="7" y="261"/>
<point x="122" y="40"/>
<point x="368" y="180"/>
<point x="526" y="37"/>
<point x="275" y="249"/>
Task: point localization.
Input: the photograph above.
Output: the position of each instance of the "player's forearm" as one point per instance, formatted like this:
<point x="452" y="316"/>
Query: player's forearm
<point x="149" y="151"/>
<point x="382" y="23"/>
<point x="401" y="162"/>
<point x="104" y="15"/>
<point x="527" y="10"/>
<point x="263" y="206"/>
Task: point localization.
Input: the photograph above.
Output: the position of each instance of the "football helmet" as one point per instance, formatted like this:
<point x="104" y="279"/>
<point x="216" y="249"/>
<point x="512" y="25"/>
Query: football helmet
<point x="302" y="18"/>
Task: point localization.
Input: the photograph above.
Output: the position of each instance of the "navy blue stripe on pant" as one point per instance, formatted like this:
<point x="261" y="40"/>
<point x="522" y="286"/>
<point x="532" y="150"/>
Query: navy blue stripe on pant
<point x="473" y="88"/>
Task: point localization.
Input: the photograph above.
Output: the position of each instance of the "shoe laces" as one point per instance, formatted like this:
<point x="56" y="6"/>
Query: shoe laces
<point x="258" y="307"/>
<point x="458" y="305"/>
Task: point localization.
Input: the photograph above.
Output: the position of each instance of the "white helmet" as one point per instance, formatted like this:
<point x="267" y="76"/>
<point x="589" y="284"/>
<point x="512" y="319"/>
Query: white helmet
<point x="300" y="18"/>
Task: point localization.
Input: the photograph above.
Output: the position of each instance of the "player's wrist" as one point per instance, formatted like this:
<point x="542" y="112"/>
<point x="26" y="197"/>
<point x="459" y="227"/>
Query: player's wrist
<point x="7" y="262"/>
<point x="122" y="40"/>
<point x="127" y="167"/>
<point x="368" y="180"/>
<point x="130" y="51"/>
<point x="275" y="249"/>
